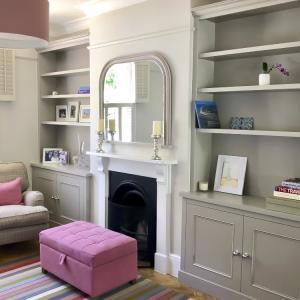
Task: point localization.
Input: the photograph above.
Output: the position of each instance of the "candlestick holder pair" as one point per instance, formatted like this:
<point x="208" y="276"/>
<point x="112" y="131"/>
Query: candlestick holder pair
<point x="156" y="139"/>
<point x="101" y="138"/>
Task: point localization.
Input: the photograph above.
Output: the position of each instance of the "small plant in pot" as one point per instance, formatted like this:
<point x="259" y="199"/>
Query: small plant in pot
<point x="264" y="77"/>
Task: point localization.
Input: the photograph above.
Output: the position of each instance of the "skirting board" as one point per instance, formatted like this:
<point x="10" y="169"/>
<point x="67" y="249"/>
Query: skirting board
<point x="167" y="265"/>
<point x="211" y="288"/>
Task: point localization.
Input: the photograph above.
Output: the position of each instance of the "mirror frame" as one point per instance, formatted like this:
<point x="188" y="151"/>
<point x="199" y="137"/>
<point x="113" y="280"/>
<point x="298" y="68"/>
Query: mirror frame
<point x="164" y="67"/>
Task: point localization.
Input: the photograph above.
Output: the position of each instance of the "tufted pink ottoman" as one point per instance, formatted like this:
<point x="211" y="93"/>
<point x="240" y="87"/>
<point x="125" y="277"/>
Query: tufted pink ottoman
<point x="91" y="258"/>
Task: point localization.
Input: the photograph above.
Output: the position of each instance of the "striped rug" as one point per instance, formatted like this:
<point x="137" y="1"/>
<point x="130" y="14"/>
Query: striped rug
<point x="23" y="279"/>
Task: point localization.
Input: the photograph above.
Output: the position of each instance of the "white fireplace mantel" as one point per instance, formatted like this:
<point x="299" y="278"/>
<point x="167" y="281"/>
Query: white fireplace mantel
<point x="159" y="169"/>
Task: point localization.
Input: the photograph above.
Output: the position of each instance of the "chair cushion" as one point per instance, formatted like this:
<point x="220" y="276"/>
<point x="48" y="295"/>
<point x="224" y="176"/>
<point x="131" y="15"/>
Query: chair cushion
<point x="14" y="216"/>
<point x="88" y="243"/>
<point x="10" y="192"/>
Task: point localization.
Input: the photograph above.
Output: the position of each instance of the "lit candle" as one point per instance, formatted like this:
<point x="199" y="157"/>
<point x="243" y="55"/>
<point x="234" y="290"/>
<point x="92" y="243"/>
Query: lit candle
<point x="156" y="128"/>
<point x="112" y="124"/>
<point x="101" y="125"/>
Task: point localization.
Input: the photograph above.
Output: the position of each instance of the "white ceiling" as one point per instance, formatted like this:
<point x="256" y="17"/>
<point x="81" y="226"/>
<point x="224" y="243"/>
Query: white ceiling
<point x="66" y="16"/>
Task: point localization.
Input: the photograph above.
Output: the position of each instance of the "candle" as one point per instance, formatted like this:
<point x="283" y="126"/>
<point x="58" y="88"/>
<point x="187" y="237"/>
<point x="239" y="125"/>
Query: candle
<point x="101" y="125"/>
<point x="112" y="124"/>
<point x="203" y="186"/>
<point x="156" y="128"/>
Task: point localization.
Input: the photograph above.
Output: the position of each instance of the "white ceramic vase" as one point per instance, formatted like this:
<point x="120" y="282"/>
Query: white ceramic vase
<point x="264" y="79"/>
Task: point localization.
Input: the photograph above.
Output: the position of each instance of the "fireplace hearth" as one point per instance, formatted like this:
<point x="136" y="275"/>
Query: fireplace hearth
<point x="132" y="205"/>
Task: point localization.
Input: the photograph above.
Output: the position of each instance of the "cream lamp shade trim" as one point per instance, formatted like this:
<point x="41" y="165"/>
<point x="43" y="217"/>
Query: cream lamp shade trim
<point x="24" y="24"/>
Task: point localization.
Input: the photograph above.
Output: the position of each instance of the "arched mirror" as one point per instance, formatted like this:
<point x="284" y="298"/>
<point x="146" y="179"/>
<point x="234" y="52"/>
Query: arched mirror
<point x="135" y="91"/>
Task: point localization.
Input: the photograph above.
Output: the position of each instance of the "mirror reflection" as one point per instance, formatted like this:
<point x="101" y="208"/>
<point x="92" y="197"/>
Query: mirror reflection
<point x="133" y="99"/>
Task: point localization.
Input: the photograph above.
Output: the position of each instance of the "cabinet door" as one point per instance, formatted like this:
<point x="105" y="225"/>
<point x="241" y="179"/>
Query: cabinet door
<point x="70" y="191"/>
<point x="212" y="237"/>
<point x="45" y="182"/>
<point x="272" y="271"/>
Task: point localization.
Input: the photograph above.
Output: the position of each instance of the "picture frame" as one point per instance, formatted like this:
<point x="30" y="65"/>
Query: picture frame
<point x="61" y="113"/>
<point x="51" y="155"/>
<point x="230" y="174"/>
<point x="73" y="111"/>
<point x="85" y="114"/>
<point x="63" y="157"/>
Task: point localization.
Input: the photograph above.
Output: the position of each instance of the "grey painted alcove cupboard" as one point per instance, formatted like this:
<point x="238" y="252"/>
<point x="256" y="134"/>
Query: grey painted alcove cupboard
<point x="240" y="247"/>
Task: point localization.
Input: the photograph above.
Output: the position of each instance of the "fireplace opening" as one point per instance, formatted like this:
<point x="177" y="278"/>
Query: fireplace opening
<point x="132" y="211"/>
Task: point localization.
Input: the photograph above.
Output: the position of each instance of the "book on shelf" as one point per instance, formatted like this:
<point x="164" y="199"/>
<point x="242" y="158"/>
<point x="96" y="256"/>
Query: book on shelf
<point x="84" y="90"/>
<point x="285" y="189"/>
<point x="286" y="195"/>
<point x="284" y="202"/>
<point x="206" y="114"/>
<point x="292" y="183"/>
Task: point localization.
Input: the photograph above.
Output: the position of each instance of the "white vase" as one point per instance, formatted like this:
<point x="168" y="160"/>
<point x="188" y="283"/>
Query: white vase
<point x="264" y="79"/>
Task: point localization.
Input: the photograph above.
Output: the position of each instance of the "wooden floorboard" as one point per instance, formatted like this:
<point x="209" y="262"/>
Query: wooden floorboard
<point x="17" y="251"/>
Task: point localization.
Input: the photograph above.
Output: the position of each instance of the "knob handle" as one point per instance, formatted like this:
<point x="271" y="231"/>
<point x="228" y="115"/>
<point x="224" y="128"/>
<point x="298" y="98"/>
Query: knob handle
<point x="236" y="253"/>
<point x="246" y="255"/>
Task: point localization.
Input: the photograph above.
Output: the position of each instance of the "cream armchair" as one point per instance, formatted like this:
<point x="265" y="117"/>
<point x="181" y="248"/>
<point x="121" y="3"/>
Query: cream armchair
<point x="21" y="222"/>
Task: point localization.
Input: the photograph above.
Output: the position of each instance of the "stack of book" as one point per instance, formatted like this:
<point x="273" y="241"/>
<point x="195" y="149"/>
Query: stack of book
<point x="288" y="193"/>
<point x="84" y="90"/>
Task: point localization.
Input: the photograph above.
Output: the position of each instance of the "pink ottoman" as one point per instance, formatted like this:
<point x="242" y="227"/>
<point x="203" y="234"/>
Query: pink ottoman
<point x="91" y="258"/>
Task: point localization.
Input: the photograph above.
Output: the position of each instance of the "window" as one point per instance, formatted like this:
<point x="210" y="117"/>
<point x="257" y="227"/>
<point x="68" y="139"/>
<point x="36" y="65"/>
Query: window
<point x="7" y="75"/>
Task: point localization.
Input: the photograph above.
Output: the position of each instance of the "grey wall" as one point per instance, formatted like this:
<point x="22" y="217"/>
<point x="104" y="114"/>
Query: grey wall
<point x="18" y="119"/>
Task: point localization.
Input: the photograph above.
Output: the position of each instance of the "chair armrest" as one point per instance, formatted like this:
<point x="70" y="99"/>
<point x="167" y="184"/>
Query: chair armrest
<point x="33" y="198"/>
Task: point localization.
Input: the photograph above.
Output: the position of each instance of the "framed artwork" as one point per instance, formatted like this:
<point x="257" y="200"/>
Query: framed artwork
<point x="85" y="114"/>
<point x="51" y="155"/>
<point x="73" y="111"/>
<point x="63" y="157"/>
<point x="230" y="174"/>
<point x="61" y="113"/>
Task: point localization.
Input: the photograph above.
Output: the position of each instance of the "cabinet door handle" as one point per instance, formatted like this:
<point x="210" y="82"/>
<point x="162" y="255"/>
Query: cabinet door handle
<point x="236" y="253"/>
<point x="246" y="255"/>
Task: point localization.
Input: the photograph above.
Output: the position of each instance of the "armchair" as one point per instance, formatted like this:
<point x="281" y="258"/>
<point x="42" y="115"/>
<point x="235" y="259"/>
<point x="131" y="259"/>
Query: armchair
<point x="21" y="222"/>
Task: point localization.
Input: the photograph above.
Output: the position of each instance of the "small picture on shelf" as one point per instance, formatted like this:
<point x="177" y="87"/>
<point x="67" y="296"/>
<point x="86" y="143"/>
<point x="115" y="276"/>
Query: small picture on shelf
<point x="63" y="157"/>
<point x="61" y="113"/>
<point x="85" y="114"/>
<point x="73" y="111"/>
<point x="206" y="114"/>
<point x="243" y="123"/>
<point x="51" y="155"/>
<point x="230" y="174"/>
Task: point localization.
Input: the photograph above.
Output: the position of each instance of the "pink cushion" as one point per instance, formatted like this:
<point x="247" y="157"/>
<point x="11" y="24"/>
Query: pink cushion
<point x="88" y="243"/>
<point x="11" y="192"/>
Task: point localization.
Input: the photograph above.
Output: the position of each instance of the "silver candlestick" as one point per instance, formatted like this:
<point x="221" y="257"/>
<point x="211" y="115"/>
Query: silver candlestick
<point x="156" y="139"/>
<point x="100" y="142"/>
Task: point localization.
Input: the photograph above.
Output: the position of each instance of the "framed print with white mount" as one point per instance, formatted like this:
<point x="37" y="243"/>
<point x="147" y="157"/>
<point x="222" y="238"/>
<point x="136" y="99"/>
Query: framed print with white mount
<point x="230" y="174"/>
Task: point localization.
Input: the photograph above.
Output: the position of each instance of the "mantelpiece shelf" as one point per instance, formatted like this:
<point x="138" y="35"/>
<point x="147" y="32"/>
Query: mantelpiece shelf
<point x="66" y="96"/>
<point x="67" y="73"/>
<point x="273" y="49"/>
<point x="252" y="88"/>
<point x="55" y="123"/>
<point x="290" y="134"/>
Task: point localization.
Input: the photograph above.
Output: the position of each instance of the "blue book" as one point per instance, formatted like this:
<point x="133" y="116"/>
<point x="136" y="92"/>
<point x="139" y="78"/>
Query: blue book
<point x="206" y="114"/>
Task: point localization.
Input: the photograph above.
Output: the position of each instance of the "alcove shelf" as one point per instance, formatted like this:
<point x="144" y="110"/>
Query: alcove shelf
<point x="66" y="96"/>
<point x="291" y="134"/>
<point x="56" y="123"/>
<point x="252" y="88"/>
<point x="264" y="50"/>
<point x="67" y="73"/>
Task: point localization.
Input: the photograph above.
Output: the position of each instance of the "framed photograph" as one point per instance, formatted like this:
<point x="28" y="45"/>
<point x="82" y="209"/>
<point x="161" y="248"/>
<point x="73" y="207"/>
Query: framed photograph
<point x="63" y="157"/>
<point x="85" y="114"/>
<point x="51" y="155"/>
<point x="230" y="174"/>
<point x="73" y="111"/>
<point x="61" y="113"/>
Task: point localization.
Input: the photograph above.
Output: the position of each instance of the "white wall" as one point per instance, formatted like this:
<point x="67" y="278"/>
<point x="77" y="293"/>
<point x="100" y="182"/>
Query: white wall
<point x="19" y="119"/>
<point x="162" y="26"/>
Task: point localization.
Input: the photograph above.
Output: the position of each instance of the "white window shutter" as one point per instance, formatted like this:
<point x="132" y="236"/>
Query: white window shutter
<point x="7" y="75"/>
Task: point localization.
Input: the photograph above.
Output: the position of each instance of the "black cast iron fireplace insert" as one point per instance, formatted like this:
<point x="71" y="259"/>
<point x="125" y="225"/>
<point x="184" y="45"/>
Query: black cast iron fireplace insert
<point x="132" y="211"/>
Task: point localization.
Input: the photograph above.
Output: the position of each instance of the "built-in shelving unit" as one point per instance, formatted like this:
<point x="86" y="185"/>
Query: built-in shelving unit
<point x="252" y="88"/>
<point x="56" y="123"/>
<point x="66" y="96"/>
<point x="64" y="68"/>
<point x="66" y="73"/>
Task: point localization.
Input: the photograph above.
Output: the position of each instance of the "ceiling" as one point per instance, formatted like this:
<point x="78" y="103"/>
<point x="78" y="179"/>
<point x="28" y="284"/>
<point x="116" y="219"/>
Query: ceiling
<point x="66" y="16"/>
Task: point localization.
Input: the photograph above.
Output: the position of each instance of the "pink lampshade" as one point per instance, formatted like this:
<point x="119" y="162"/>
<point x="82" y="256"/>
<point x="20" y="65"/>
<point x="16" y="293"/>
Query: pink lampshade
<point x="24" y="23"/>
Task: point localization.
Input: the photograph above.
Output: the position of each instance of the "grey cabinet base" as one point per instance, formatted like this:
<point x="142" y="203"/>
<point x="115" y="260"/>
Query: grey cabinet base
<point x="215" y="290"/>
